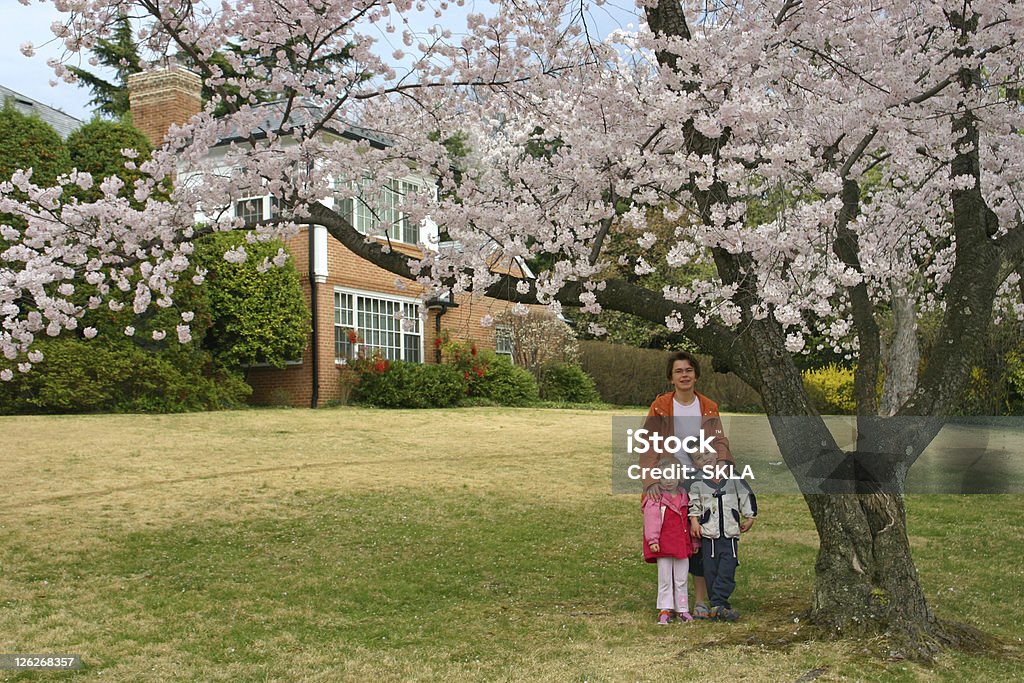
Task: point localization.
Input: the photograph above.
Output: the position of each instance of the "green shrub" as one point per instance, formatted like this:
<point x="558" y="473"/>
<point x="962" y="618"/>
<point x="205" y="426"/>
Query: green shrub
<point x="258" y="317"/>
<point x="490" y="376"/>
<point x="563" y="382"/>
<point x="80" y="376"/>
<point x="466" y="377"/>
<point x="436" y="386"/>
<point x="28" y="142"/>
<point x="96" y="148"/>
<point x="396" y="384"/>
<point x="830" y="389"/>
<point x="504" y="384"/>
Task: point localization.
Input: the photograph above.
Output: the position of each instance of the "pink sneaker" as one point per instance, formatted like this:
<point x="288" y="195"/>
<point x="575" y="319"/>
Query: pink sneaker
<point x="683" y="616"/>
<point x="664" y="617"/>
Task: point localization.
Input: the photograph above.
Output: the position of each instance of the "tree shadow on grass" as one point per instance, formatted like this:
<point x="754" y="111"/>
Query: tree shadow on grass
<point x="783" y="623"/>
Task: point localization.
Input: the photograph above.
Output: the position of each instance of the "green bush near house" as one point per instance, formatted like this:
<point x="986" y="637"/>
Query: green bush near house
<point x="260" y="314"/>
<point x="831" y="389"/>
<point x="397" y="384"/>
<point x="490" y="377"/>
<point x="116" y="377"/>
<point x="505" y="384"/>
<point x="96" y="148"/>
<point x="28" y="142"/>
<point x="487" y="379"/>
<point x="565" y="382"/>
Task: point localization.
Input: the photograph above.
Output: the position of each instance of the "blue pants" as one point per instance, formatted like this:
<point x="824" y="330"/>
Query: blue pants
<point x="720" y="564"/>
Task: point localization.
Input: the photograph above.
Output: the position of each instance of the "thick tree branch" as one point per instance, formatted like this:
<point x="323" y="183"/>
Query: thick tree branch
<point x="972" y="286"/>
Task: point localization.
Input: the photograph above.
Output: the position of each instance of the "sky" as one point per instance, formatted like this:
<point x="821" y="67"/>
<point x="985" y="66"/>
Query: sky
<point x="31" y="76"/>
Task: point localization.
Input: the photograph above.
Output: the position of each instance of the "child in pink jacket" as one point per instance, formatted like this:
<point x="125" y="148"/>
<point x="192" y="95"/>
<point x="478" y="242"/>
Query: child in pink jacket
<point x="667" y="540"/>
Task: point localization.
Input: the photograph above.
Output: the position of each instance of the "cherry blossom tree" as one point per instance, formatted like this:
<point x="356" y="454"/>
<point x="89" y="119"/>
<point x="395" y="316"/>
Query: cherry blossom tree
<point x="884" y="140"/>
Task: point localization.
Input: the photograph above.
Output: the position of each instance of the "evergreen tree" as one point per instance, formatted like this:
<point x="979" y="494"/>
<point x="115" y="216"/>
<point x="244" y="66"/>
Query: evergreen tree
<point x="120" y="54"/>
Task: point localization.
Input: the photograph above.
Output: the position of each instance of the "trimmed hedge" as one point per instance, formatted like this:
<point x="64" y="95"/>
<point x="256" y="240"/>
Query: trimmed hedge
<point x="628" y="376"/>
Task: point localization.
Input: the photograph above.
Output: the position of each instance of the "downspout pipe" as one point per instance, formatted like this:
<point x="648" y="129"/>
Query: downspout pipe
<point x="440" y="306"/>
<point x="437" y="332"/>
<point x="314" y="351"/>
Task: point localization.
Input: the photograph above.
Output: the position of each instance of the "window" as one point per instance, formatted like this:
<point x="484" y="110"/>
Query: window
<point x="386" y="326"/>
<point x="250" y="210"/>
<point x="503" y="340"/>
<point x="371" y="207"/>
<point x="344" y="328"/>
<point x="254" y="210"/>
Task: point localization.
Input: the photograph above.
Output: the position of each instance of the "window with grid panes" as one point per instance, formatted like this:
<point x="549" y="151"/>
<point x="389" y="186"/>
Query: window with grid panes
<point x="378" y="323"/>
<point x="369" y="206"/>
<point x="503" y="340"/>
<point x="253" y="210"/>
<point x="249" y="210"/>
<point x="343" y="324"/>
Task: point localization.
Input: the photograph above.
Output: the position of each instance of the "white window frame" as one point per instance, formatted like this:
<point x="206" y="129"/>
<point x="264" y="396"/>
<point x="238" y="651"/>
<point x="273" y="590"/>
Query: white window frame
<point x="370" y="344"/>
<point x="503" y="333"/>
<point x="365" y="215"/>
<point x="268" y="207"/>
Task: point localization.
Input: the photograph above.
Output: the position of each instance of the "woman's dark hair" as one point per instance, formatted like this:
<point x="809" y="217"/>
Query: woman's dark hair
<point x="683" y="355"/>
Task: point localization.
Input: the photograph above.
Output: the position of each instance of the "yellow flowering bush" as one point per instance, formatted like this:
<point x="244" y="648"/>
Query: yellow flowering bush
<point x="831" y="389"/>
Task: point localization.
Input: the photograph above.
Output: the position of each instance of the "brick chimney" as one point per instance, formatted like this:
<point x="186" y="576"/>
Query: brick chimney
<point x="163" y="97"/>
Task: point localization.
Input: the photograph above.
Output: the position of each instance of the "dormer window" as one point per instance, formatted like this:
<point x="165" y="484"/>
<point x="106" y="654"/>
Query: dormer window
<point x="371" y="206"/>
<point x="257" y="209"/>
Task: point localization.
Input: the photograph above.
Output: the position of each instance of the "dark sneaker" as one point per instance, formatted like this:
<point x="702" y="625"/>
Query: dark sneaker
<point x="723" y="614"/>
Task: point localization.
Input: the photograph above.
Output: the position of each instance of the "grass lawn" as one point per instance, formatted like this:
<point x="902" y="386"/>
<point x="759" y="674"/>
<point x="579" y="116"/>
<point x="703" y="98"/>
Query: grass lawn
<point x="481" y="544"/>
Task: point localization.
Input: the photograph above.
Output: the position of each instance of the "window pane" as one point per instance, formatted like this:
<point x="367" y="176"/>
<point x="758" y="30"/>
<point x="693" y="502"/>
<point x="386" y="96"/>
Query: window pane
<point x="502" y="339"/>
<point x="343" y="347"/>
<point x="249" y="210"/>
<point x="412" y="348"/>
<point x="410" y="230"/>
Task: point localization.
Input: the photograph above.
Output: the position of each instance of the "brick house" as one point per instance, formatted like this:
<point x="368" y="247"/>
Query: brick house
<point x="344" y="291"/>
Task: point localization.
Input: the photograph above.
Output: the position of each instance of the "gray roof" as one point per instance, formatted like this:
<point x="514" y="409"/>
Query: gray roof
<point x="302" y="114"/>
<point x="64" y="124"/>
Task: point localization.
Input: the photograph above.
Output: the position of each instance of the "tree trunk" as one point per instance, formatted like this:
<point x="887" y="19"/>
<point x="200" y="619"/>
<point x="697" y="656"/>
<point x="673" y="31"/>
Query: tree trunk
<point x="866" y="583"/>
<point x="902" y="356"/>
<point x="865" y="578"/>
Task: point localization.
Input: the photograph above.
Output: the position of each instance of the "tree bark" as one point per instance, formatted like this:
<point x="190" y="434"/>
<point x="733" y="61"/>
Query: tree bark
<point x="901" y="357"/>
